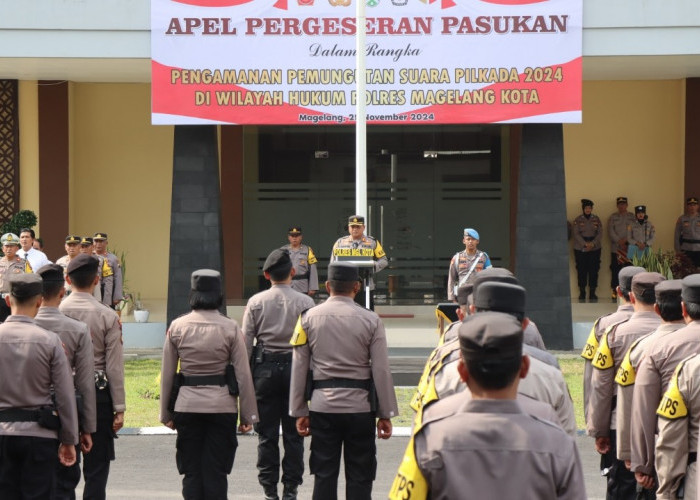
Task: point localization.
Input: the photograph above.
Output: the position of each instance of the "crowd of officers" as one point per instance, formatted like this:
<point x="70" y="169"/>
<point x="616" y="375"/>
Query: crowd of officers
<point x="631" y="235"/>
<point x="61" y="370"/>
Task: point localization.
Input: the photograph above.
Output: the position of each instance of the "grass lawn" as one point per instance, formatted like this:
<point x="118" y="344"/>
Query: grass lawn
<point x="143" y="393"/>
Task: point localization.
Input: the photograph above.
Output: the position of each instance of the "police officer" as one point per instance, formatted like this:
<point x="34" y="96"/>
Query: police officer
<point x="617" y="232"/>
<point x="588" y="230"/>
<point x="105" y="273"/>
<point x="305" y="278"/>
<point x="106" y="332"/>
<point x="640" y="234"/>
<point x="77" y="345"/>
<point x="654" y="375"/>
<point x="72" y="246"/>
<point x="112" y="262"/>
<point x="466" y="264"/>
<point x="613" y="346"/>
<point x="345" y="346"/>
<point x="202" y="401"/>
<point x="32" y="361"/>
<point x="687" y="234"/>
<point x="10" y="264"/>
<point x="269" y="319"/>
<point x="460" y="454"/>
<point x="366" y="246"/>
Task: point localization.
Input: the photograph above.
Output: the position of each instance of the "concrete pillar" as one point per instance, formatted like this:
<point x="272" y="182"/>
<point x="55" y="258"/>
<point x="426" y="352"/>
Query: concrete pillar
<point x="195" y="216"/>
<point x="542" y="252"/>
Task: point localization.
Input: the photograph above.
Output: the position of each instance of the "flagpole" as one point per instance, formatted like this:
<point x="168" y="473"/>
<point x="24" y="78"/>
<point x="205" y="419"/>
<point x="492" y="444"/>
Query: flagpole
<point x="360" y="113"/>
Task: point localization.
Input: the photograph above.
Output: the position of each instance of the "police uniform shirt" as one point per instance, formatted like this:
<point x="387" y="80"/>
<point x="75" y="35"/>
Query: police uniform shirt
<point x="304" y="261"/>
<point x="346" y="244"/>
<point x="617" y="228"/>
<point x="679" y="416"/>
<point x="115" y="266"/>
<point x="625" y="379"/>
<point x="77" y="344"/>
<point x="651" y="380"/>
<point x="624" y="311"/>
<point x="106" y="333"/>
<point x="106" y="280"/>
<point x="606" y="361"/>
<point x="587" y="230"/>
<point x="341" y="339"/>
<point x="641" y="233"/>
<point x="687" y="233"/>
<point x="270" y="317"/>
<point x="205" y="342"/>
<point x="31" y="361"/>
<point x="461" y="265"/>
<point x="7" y="268"/>
<point x="492" y="449"/>
<point x="36" y="258"/>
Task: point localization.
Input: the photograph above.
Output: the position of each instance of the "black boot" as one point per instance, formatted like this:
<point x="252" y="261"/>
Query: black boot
<point x="290" y="492"/>
<point x="271" y="492"/>
<point x="582" y="294"/>
<point x="592" y="296"/>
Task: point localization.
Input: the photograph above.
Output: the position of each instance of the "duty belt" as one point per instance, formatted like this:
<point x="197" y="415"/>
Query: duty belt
<point x="277" y="357"/>
<point x="19" y="415"/>
<point x="190" y="380"/>
<point x="692" y="457"/>
<point x="588" y="238"/>
<point x="345" y="383"/>
<point x="304" y="276"/>
<point x="684" y="240"/>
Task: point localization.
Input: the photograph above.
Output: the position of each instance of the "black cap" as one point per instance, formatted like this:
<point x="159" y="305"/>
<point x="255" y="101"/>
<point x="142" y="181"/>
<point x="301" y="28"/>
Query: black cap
<point x="86" y="240"/>
<point x="72" y="238"/>
<point x="278" y="262"/>
<point x="51" y="272"/>
<point x="585" y="202"/>
<point x="621" y="199"/>
<point x="502" y="297"/>
<point x="83" y="261"/>
<point x="499" y="274"/>
<point x="294" y="230"/>
<point x="643" y="285"/>
<point x="491" y="336"/>
<point x="100" y="236"/>
<point x="625" y="277"/>
<point x="463" y="293"/>
<point x="25" y="285"/>
<point x="691" y="200"/>
<point x="691" y="289"/>
<point x="206" y="280"/>
<point x="668" y="290"/>
<point x="343" y="271"/>
<point x="356" y="220"/>
<point x="640" y="209"/>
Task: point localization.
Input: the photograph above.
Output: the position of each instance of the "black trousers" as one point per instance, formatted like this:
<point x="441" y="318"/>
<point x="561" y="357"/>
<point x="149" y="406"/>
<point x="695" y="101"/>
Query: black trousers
<point x="587" y="267"/>
<point x="621" y="482"/>
<point x="272" y="393"/>
<point x="66" y="479"/>
<point x="353" y="435"/>
<point x="693" y="256"/>
<point x="206" y="447"/>
<point x="27" y="466"/>
<point x="96" y="463"/>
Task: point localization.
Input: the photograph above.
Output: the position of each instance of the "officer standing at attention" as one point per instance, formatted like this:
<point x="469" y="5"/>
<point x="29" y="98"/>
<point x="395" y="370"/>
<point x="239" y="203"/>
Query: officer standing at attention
<point x="106" y="333"/>
<point x="588" y="231"/>
<point x="687" y="234"/>
<point x="617" y="231"/>
<point x="465" y="264"/>
<point x="305" y="279"/>
<point x="367" y="246"/>
<point x="640" y="234"/>
<point x="489" y="447"/>
<point x="32" y="362"/>
<point x="345" y="347"/>
<point x="201" y="401"/>
<point x="269" y="319"/>
<point x="77" y="344"/>
<point x="10" y="264"/>
<point x="100" y="241"/>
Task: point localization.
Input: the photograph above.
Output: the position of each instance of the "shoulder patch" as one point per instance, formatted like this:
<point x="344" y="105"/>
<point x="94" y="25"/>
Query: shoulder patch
<point x="591" y="343"/>
<point x="409" y="482"/>
<point x="672" y="405"/>
<point x="627" y="373"/>
<point x="603" y="359"/>
<point x="299" y="335"/>
<point x="312" y="258"/>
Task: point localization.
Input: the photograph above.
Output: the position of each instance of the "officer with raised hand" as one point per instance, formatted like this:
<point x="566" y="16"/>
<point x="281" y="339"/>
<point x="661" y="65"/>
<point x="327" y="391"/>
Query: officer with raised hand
<point x="269" y="320"/>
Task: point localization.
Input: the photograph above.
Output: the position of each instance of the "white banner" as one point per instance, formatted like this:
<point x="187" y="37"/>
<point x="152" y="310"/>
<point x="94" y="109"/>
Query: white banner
<point x="432" y="62"/>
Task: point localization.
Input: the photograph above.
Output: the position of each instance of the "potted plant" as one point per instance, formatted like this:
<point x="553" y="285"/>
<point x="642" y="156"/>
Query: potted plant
<point x="140" y="313"/>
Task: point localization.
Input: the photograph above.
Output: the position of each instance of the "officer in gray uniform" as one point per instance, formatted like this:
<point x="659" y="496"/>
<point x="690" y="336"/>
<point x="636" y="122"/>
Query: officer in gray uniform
<point x="640" y="234"/>
<point x="201" y="402"/>
<point x="10" y="264"/>
<point x="360" y="245"/>
<point x="465" y="264"/>
<point x="100" y="240"/>
<point x="344" y="345"/>
<point x="305" y="278"/>
<point x="587" y="233"/>
<point x="489" y="447"/>
<point x="687" y="234"/>
<point x="269" y="320"/>
<point x="613" y="346"/>
<point x="106" y="333"/>
<point x="617" y="232"/>
<point x="32" y="362"/>
<point x="77" y="344"/>
<point x="654" y="375"/>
